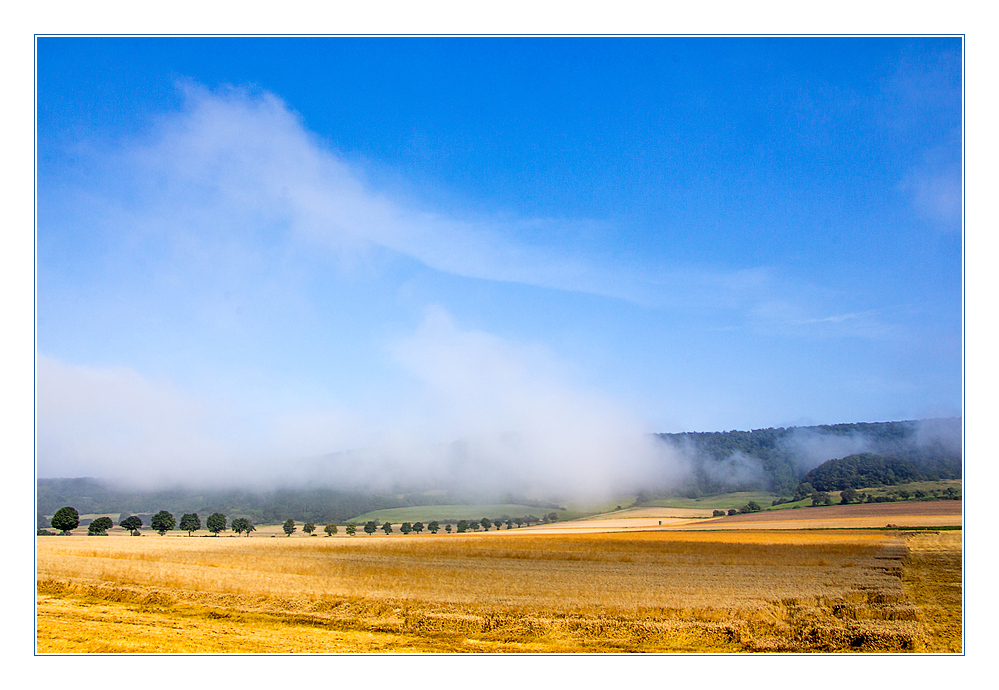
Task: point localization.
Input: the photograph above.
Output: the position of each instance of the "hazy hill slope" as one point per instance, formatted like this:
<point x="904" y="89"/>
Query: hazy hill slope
<point x="776" y="459"/>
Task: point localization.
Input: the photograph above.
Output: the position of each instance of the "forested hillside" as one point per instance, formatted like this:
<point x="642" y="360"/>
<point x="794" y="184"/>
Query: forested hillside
<point x="773" y="460"/>
<point x="862" y="470"/>
<point x="777" y="459"/>
<point x="320" y="506"/>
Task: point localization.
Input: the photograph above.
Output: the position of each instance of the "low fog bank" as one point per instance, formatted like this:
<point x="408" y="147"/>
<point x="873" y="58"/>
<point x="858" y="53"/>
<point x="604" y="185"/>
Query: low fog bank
<point x="481" y="417"/>
<point x="547" y="472"/>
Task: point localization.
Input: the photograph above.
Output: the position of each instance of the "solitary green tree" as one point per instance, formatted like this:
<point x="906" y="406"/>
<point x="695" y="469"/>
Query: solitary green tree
<point x="462" y="526"/>
<point x="330" y="529"/>
<point x="190" y="523"/>
<point x="405" y="528"/>
<point x="417" y="527"/>
<point x="288" y="526"/>
<point x="351" y="529"/>
<point x="66" y="519"/>
<point x="132" y="524"/>
<point x="370" y="526"/>
<point x="240" y="525"/>
<point x="308" y="528"/>
<point x="447" y="528"/>
<point x="387" y="527"/>
<point x="433" y="526"/>
<point x="162" y="522"/>
<point x="100" y="526"/>
<point x="215" y="523"/>
<point x="848" y="495"/>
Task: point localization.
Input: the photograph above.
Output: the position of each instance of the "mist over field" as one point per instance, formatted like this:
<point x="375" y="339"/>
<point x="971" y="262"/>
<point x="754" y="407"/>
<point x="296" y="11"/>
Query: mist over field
<point x="494" y="267"/>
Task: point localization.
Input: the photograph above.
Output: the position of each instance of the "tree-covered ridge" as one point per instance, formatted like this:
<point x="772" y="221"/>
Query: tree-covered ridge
<point x="777" y="459"/>
<point x="860" y="471"/>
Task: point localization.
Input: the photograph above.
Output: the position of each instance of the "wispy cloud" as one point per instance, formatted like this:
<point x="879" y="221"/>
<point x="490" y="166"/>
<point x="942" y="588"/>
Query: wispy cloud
<point x="935" y="186"/>
<point x="232" y="163"/>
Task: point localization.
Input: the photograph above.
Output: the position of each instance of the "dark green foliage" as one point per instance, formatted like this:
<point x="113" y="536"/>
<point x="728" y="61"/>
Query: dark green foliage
<point x="405" y="528"/>
<point x="733" y="511"/>
<point x="462" y="526"/>
<point x="215" y="523"/>
<point x="751" y="507"/>
<point x="803" y="491"/>
<point x="162" y="522"/>
<point x="190" y="523"/>
<point x="66" y="519"/>
<point x="330" y="529"/>
<point x="821" y="498"/>
<point x="45" y="533"/>
<point x="351" y="529"/>
<point x="861" y="470"/>
<point x="418" y="527"/>
<point x="242" y="525"/>
<point x="387" y="527"/>
<point x="486" y="523"/>
<point x="718" y="513"/>
<point x="447" y="528"/>
<point x="433" y="526"/>
<point x="132" y="524"/>
<point x="849" y="495"/>
<point x="370" y="527"/>
<point x="100" y="526"/>
<point x="288" y="527"/>
<point x="308" y="528"/>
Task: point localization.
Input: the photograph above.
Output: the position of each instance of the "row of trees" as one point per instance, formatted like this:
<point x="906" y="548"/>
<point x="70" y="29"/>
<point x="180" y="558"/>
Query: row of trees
<point x="67" y="519"/>
<point x="751" y="507"/>
<point x="434" y="526"/>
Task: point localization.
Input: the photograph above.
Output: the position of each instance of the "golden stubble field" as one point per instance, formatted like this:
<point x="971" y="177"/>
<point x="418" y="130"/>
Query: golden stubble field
<point x="519" y="592"/>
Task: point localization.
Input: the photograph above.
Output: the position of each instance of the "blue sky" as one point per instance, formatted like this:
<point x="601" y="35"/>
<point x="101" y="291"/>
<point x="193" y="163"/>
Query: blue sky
<point x="275" y="248"/>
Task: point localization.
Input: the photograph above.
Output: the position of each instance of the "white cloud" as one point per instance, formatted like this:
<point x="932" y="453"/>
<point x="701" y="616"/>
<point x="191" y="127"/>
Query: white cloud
<point x="231" y="164"/>
<point x="485" y="415"/>
<point x="114" y="423"/>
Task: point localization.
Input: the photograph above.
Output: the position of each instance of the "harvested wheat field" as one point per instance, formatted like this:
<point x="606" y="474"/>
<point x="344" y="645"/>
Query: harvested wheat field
<point x="863" y="516"/>
<point x="857" y="516"/>
<point x="866" y="591"/>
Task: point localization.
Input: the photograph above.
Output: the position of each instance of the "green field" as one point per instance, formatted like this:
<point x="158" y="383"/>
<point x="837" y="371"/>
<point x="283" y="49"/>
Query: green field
<point x="720" y="501"/>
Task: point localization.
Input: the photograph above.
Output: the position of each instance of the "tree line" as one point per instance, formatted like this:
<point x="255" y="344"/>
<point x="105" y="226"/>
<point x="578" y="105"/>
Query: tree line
<point x="67" y="518"/>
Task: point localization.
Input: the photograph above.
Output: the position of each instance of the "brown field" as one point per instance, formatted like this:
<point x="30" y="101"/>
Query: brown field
<point x="509" y="591"/>
<point x="865" y="516"/>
